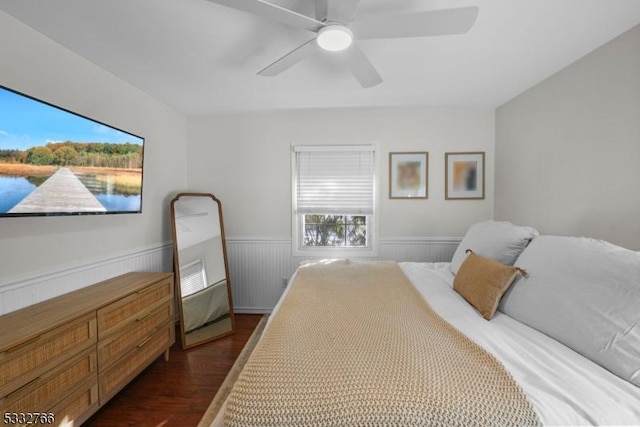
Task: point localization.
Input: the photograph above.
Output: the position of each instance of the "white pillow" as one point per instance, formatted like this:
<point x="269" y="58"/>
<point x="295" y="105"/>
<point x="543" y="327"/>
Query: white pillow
<point x="584" y="293"/>
<point x="501" y="241"/>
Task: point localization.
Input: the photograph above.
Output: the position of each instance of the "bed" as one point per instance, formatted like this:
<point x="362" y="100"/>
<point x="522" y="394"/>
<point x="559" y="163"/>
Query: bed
<point x="205" y="306"/>
<point x="562" y="386"/>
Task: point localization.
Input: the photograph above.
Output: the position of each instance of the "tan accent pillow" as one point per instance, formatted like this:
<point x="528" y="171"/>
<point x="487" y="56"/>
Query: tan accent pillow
<point x="482" y="282"/>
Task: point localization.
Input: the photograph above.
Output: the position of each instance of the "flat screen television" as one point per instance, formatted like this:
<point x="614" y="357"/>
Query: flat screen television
<point x="55" y="162"/>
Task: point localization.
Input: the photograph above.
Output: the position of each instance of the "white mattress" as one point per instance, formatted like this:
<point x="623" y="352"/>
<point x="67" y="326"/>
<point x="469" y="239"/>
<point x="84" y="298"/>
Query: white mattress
<point x="564" y="387"/>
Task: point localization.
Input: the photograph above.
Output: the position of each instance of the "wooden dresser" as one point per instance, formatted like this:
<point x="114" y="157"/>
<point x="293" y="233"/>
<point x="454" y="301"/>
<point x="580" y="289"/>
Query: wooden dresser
<point x="68" y="356"/>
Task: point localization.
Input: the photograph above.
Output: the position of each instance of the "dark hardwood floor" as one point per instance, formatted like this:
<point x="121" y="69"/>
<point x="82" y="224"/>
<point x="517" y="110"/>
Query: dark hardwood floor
<point x="177" y="392"/>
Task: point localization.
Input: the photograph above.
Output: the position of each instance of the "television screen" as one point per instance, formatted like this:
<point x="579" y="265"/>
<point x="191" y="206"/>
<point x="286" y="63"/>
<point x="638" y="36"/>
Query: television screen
<point x="55" y="162"/>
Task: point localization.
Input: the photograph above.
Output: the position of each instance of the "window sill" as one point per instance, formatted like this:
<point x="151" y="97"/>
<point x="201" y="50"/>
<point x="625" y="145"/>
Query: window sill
<point x="318" y="252"/>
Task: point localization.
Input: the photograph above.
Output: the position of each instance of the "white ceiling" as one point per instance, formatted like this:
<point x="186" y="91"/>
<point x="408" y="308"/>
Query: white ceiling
<point x="201" y="58"/>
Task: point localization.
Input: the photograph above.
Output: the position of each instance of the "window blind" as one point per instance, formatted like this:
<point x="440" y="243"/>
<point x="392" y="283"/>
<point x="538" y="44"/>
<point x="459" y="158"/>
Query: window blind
<point x="335" y="179"/>
<point x="192" y="278"/>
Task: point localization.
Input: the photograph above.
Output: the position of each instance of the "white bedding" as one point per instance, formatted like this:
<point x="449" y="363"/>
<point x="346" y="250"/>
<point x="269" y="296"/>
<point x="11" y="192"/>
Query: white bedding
<point x="564" y="387"/>
<point x="205" y="306"/>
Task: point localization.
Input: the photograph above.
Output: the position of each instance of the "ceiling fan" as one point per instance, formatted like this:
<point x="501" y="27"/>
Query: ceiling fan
<point x="336" y="28"/>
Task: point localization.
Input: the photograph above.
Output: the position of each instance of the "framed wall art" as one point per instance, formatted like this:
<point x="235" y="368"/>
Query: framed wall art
<point x="408" y="175"/>
<point x="464" y="176"/>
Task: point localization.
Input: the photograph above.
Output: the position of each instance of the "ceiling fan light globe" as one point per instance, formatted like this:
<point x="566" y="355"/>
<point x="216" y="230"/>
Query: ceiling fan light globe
<point x="334" y="38"/>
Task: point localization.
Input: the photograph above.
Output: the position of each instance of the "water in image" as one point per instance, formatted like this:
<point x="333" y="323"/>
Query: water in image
<point x="12" y="190"/>
<point x="15" y="188"/>
<point x="108" y="194"/>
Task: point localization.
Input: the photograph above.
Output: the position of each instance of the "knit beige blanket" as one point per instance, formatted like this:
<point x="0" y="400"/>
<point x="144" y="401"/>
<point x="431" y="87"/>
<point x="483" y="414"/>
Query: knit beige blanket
<point x="355" y="344"/>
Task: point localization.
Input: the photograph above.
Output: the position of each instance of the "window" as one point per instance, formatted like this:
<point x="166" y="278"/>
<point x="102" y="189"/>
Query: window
<point x="192" y="278"/>
<point x="334" y="200"/>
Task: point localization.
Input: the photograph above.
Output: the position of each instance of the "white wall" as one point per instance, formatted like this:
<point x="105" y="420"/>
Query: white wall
<point x="568" y="150"/>
<point x="36" y="65"/>
<point x="245" y="161"/>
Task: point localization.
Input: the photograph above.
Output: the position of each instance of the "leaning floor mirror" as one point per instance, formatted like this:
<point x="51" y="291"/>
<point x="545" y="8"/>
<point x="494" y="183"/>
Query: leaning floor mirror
<point x="201" y="269"/>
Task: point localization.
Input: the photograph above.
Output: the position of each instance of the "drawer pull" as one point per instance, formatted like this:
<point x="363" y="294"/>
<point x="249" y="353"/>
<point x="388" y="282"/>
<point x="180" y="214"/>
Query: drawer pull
<point x="23" y="387"/>
<point x="143" y="342"/>
<point x="142" y="317"/>
<point x="145" y="290"/>
<point x="22" y="344"/>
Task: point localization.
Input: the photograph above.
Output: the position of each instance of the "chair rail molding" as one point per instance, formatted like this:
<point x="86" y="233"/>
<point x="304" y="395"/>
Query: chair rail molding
<point x="22" y="291"/>
<point x="260" y="269"/>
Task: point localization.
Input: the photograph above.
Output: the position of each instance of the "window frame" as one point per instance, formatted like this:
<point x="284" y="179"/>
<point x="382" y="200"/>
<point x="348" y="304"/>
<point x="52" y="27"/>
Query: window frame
<point x="297" y="220"/>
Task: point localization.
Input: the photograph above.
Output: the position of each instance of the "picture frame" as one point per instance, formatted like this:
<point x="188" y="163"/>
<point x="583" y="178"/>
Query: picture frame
<point x="409" y="175"/>
<point x="464" y="176"/>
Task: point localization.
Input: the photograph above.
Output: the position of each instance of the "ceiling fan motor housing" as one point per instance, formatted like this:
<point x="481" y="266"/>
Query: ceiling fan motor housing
<point x="334" y="37"/>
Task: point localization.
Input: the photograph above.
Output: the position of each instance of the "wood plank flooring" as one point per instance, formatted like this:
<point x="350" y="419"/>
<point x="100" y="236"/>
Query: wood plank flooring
<point x="177" y="392"/>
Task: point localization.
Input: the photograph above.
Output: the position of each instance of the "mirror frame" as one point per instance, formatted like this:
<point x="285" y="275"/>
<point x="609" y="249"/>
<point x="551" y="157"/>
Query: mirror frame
<point x="176" y="269"/>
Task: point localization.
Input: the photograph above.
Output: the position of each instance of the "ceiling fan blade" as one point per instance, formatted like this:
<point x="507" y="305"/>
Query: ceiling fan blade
<point x="290" y="59"/>
<point x="273" y="12"/>
<point x="322" y="10"/>
<point x="421" y="24"/>
<point x="343" y="11"/>
<point x="362" y="69"/>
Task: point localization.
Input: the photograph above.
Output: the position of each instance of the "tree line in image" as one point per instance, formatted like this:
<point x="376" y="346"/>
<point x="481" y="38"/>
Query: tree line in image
<point x="88" y="154"/>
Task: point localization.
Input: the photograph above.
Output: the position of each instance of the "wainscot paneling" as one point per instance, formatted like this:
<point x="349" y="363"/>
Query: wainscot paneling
<point x="260" y="268"/>
<point x="17" y="293"/>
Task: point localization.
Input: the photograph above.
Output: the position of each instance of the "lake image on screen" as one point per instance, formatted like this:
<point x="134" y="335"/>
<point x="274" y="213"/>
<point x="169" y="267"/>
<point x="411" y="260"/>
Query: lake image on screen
<point x="56" y="162"/>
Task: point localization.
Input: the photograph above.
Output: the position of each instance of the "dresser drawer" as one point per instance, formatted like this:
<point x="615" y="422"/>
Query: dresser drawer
<point x="120" y="373"/>
<point x="72" y="411"/>
<point x="28" y="360"/>
<point x="128" y="309"/>
<point x="46" y="391"/>
<point x="117" y="345"/>
<point x="78" y="407"/>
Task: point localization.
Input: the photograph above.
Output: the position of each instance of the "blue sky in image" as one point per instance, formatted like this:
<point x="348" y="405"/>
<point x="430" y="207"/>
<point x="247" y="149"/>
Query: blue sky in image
<point x="26" y="123"/>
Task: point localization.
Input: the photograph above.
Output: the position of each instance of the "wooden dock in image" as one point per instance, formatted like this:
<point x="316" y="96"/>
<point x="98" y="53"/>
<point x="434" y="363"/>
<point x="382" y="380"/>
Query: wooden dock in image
<point x="62" y="192"/>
